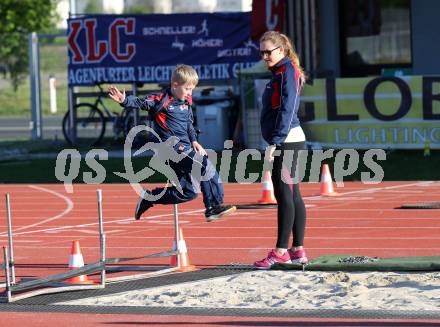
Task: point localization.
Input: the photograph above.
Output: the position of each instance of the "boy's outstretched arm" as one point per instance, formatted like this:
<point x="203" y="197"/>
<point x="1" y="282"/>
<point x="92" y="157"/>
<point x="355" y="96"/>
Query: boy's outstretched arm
<point x="116" y="95"/>
<point x="129" y="101"/>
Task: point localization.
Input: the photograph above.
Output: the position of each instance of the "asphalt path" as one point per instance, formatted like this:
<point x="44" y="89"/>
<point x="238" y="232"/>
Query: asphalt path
<point x="20" y="128"/>
<point x="13" y="128"/>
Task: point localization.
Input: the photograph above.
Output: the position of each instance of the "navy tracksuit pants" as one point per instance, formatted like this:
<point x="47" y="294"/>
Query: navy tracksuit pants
<point x="193" y="170"/>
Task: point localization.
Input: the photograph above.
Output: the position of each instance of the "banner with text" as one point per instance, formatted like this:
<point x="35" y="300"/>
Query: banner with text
<point x="146" y="48"/>
<point x="379" y="112"/>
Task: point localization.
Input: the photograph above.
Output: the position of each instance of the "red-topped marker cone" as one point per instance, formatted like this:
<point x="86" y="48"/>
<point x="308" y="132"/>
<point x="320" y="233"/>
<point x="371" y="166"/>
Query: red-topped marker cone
<point x="185" y="265"/>
<point x="326" y="188"/>
<point x="76" y="261"/>
<point x="268" y="196"/>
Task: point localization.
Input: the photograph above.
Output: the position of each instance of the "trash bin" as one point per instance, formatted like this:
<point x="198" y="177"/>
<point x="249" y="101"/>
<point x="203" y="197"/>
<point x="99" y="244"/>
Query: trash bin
<point x="213" y="113"/>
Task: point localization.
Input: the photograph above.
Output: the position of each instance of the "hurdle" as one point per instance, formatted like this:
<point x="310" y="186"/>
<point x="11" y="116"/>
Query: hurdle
<point x="47" y="285"/>
<point x="53" y="283"/>
<point x="10" y="244"/>
<point x="152" y="271"/>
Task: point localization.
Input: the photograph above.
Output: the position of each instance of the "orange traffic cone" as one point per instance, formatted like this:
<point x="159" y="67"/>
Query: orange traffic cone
<point x="326" y="188"/>
<point x="268" y="196"/>
<point x="76" y="261"/>
<point x="185" y="265"/>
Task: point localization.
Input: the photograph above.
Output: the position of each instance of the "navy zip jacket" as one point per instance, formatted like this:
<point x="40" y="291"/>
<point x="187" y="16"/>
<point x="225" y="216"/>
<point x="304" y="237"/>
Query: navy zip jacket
<point x="171" y="116"/>
<point x="280" y="102"/>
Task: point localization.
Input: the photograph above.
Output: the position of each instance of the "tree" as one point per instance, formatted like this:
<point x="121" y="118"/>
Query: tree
<point x="141" y="7"/>
<point x="93" y="7"/>
<point x="17" y="19"/>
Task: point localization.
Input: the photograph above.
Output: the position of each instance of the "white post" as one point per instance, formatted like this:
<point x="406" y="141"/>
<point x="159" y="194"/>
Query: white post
<point x="11" y="246"/>
<point x="72" y="7"/>
<point x="34" y="77"/>
<point x="52" y="94"/>
<point x="101" y="237"/>
<point x="177" y="236"/>
<point x="7" y="274"/>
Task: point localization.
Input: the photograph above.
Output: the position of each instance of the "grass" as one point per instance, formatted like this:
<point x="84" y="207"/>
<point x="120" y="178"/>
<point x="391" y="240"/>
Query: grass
<point x="53" y="57"/>
<point x="21" y="171"/>
<point x="21" y="162"/>
<point x="30" y="147"/>
<point x="53" y="61"/>
<point x="18" y="103"/>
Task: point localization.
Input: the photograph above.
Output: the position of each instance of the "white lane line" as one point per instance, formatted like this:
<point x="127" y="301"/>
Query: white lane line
<point x="244" y="238"/>
<point x="65" y="212"/>
<point x="239" y="248"/>
<point x="49" y="237"/>
<point x="160" y="226"/>
<point x="70" y="207"/>
<point x="353" y="218"/>
<point x="346" y="198"/>
<point x="324" y="227"/>
<point x="84" y="231"/>
<point x="145" y="220"/>
<point x="371" y="190"/>
<point x="406" y="191"/>
<point x="374" y="210"/>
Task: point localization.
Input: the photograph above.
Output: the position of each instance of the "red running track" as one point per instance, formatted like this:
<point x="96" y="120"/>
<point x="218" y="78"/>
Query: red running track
<point x="363" y="220"/>
<point x="43" y="319"/>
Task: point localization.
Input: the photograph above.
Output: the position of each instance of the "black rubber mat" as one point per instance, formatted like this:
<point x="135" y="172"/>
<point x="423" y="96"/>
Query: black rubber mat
<point x="236" y="312"/>
<point x="420" y="205"/>
<point x="46" y="303"/>
<point x="345" y="262"/>
<point x="113" y="288"/>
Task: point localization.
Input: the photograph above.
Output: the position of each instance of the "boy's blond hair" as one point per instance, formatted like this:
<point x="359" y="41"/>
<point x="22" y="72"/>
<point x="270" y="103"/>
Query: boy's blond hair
<point x="185" y="74"/>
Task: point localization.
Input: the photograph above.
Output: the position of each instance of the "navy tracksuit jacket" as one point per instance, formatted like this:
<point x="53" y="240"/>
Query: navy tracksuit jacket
<point x="280" y="102"/>
<point x="173" y="118"/>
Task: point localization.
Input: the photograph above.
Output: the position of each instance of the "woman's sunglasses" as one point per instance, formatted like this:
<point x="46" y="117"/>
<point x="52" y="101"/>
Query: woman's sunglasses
<point x="267" y="52"/>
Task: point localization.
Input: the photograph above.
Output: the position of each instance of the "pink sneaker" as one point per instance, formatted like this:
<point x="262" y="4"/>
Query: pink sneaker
<point x="271" y="259"/>
<point x="298" y="256"/>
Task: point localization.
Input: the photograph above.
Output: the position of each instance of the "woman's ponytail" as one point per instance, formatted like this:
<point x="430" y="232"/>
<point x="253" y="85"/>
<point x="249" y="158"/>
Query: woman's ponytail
<point x="280" y="39"/>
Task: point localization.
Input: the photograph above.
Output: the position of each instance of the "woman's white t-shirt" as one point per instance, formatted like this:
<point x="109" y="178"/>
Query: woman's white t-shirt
<point x="296" y="134"/>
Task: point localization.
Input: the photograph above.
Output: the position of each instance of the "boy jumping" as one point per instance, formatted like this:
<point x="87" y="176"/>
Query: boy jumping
<point x="173" y="118"/>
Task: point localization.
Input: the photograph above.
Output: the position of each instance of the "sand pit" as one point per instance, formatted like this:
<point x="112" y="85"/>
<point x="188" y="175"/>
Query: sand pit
<point x="290" y="290"/>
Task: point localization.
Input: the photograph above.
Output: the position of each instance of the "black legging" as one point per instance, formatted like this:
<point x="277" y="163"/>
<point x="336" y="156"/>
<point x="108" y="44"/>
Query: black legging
<point x="291" y="208"/>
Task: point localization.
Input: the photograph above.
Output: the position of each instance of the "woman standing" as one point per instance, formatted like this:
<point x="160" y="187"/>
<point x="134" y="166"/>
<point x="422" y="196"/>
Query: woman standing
<point x="281" y="129"/>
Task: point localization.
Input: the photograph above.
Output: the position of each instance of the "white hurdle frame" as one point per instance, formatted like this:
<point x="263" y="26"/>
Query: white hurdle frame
<point x="47" y="288"/>
<point x="10" y="244"/>
<point x="101" y="237"/>
<point x="7" y="276"/>
<point x="10" y="254"/>
<point x="158" y="272"/>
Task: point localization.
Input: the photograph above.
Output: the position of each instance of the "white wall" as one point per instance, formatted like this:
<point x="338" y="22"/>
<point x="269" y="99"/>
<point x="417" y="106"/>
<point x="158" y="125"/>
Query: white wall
<point x="62" y="10"/>
<point x="211" y="5"/>
<point x="234" y="5"/>
<point x="189" y="6"/>
<point x="113" y="6"/>
<point x="160" y="6"/>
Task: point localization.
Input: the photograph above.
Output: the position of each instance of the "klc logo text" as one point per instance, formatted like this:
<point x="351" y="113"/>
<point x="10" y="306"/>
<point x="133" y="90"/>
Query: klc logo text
<point x="96" y="49"/>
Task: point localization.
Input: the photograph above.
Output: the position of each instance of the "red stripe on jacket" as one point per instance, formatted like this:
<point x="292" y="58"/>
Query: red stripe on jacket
<point x="276" y="88"/>
<point x="161" y="118"/>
